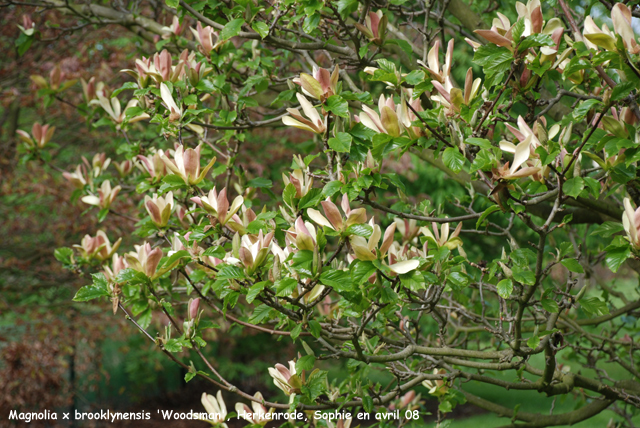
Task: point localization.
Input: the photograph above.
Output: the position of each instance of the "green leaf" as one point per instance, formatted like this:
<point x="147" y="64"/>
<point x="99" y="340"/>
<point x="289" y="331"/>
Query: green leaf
<point x="337" y="106"/>
<point x="524" y="277"/>
<point x="616" y="256"/>
<point x="261" y="28"/>
<point x="594" y="306"/>
<point x="549" y="305"/>
<point x="232" y="29"/>
<point x="216" y="251"/>
<point x="534" y="41"/>
<point x="63" y="255"/>
<point x="573" y="265"/>
<point x="367" y="403"/>
<point x="361" y="271"/>
<point x="126" y="85"/>
<point x="205" y="324"/>
<point x="260" y="182"/>
<point x="189" y="375"/>
<point x="505" y="288"/>
<point x="331" y="188"/>
<point x="480" y="142"/>
<point x="93" y="291"/>
<point x="487" y="213"/>
<point x="622" y="90"/>
<point x="173" y="4"/>
<point x="607" y="229"/>
<point x="453" y="159"/>
<point x="305" y="363"/>
<point x="573" y="187"/>
<point x="341" y="143"/>
<point x="255" y="290"/>
<point x="582" y="110"/>
<point x="340" y="280"/>
<point x="175" y="257"/>
<point x="363" y="230"/>
<point x="533" y="342"/>
<point x="259" y="314"/>
<point x="230" y="272"/>
<point x="315" y="328"/>
<point x="285" y="286"/>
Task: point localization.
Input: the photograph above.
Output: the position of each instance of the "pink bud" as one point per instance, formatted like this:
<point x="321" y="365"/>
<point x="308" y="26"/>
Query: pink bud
<point x="194" y="305"/>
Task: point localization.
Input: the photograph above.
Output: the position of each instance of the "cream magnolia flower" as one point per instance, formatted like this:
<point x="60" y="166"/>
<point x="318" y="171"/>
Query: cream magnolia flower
<point x="442" y="75"/>
<point x="605" y="38"/>
<point x="159" y="208"/>
<point x="321" y="84"/>
<point x="301" y="181"/>
<point x="186" y="164"/>
<point x="204" y="36"/>
<point x="154" y="165"/>
<point x="258" y="415"/>
<point x="105" y="197"/>
<point x="368" y="250"/>
<point x="436" y="387"/>
<point x="441" y="238"/>
<point x="376" y="27"/>
<point x="115" y="111"/>
<point x="217" y="204"/>
<point x="304" y="235"/>
<point x="313" y="122"/>
<point x="254" y="249"/>
<point x="40" y="135"/>
<point x="335" y="220"/>
<point x="145" y="260"/>
<point x="521" y="154"/>
<point x="631" y="223"/>
<point x="98" y="247"/>
<point x="118" y="263"/>
<point x="389" y="121"/>
<point x="286" y="378"/>
<point x="215" y="408"/>
<point x="175" y="112"/>
<point x="78" y="178"/>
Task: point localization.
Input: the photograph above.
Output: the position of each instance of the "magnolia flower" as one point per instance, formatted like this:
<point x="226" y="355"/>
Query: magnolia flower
<point x="388" y="121"/>
<point x="145" y="260"/>
<point x="442" y="238"/>
<point x="368" y="250"/>
<point x="98" y="247"/>
<point x="522" y="133"/>
<point x="441" y="75"/>
<point x="105" y="197"/>
<point x="321" y="85"/>
<point x="452" y="98"/>
<point x="186" y="164"/>
<point x="91" y="89"/>
<point x="521" y="154"/>
<point x="118" y="263"/>
<point x="286" y="378"/>
<point x="239" y="223"/>
<point x="195" y="71"/>
<point x="99" y="163"/>
<point x="376" y="27"/>
<point x="259" y="415"/>
<point x="631" y="223"/>
<point x="56" y="79"/>
<point x="312" y="295"/>
<point x="154" y="165"/>
<point x="436" y="387"/>
<point x="335" y="220"/>
<point x="216" y="409"/>
<point x="500" y="32"/>
<point x="28" y="27"/>
<point x="314" y="123"/>
<point x="217" y="204"/>
<point x="113" y="109"/>
<point x="40" y="135"/>
<point x="175" y="112"/>
<point x="604" y="38"/>
<point x="304" y="235"/>
<point x="174" y="29"/>
<point x="159" y="208"/>
<point x="253" y="250"/>
<point x="78" y="178"/>
<point x="300" y="181"/>
<point x="204" y="36"/>
<point x="124" y="168"/>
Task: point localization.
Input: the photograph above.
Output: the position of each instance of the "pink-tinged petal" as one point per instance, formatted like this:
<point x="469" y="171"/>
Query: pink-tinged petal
<point x="389" y="120"/>
<point x="387" y="241"/>
<point x="536" y="20"/>
<point x="374" y="20"/>
<point x="357" y="216"/>
<point x="344" y="204"/>
<point x="222" y="205"/>
<point x="504" y="21"/>
<point x="319" y="218"/>
<point x="523" y="172"/>
<point x="245" y="257"/>
<point x="468" y="83"/>
<point x="494" y="37"/>
<point x="442" y="90"/>
<point x="235" y="206"/>
<point x="191" y="161"/>
<point x="289" y="121"/>
<point x="432" y="58"/>
<point x="404" y="266"/>
<point x="448" y="58"/>
<point x="630" y="215"/>
<point x="324" y="78"/>
<point x="153" y="258"/>
<point x="311" y="85"/>
<point x="36" y="131"/>
<point x="519" y="135"/>
<point x="621" y="17"/>
<point x="333" y="215"/>
<point x="153" y="210"/>
<point x="522" y="153"/>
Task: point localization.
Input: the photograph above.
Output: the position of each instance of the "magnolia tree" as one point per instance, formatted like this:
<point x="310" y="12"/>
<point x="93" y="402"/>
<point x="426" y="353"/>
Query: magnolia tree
<point x="350" y="261"/>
